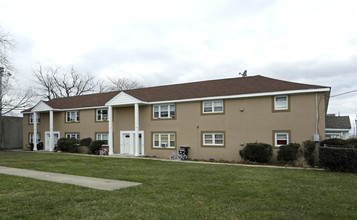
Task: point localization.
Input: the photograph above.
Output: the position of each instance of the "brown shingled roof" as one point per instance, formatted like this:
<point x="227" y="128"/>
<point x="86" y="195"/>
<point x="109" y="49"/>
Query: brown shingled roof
<point x="221" y="87"/>
<point x="97" y="99"/>
<point x="211" y="88"/>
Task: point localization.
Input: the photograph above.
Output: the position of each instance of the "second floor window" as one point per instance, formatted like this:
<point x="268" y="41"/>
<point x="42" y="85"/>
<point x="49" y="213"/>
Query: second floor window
<point x="164" y="111"/>
<point x="215" y="106"/>
<point x="37" y="117"/>
<point x="72" y="116"/>
<point x="281" y="103"/>
<point x="102" y="114"/>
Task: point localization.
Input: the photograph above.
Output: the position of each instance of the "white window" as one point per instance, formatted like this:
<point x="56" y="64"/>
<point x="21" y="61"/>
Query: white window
<point x="281" y="103"/>
<point x="281" y="138"/>
<point x="31" y="138"/>
<point x="102" y="137"/>
<point x="72" y="116"/>
<point x="37" y="117"/>
<point x="102" y="114"/>
<point x="213" y="139"/>
<point x="72" y="135"/>
<point x="215" y="106"/>
<point x="164" y="111"/>
<point x="164" y="140"/>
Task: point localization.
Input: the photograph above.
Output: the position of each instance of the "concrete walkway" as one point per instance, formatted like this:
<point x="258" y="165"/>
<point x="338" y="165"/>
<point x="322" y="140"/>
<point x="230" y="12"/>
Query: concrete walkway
<point x="90" y="182"/>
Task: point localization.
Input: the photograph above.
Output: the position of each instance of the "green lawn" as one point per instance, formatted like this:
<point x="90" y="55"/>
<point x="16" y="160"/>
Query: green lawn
<point x="173" y="191"/>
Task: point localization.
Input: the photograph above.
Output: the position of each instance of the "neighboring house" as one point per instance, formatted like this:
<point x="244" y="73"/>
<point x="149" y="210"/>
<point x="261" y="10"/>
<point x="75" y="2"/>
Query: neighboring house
<point x="11" y="132"/>
<point x="214" y="118"/>
<point x="337" y="126"/>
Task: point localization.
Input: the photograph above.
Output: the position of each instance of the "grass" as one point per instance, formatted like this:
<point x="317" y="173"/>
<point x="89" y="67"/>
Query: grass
<point x="173" y="191"/>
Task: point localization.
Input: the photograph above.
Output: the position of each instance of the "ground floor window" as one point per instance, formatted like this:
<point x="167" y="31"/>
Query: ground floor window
<point x="102" y="137"/>
<point x="31" y="138"/>
<point x="73" y="135"/>
<point x="281" y="138"/>
<point x="164" y="140"/>
<point x="213" y="138"/>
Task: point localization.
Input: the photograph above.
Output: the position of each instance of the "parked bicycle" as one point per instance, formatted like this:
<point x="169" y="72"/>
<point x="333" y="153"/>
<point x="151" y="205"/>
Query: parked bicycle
<point x="178" y="156"/>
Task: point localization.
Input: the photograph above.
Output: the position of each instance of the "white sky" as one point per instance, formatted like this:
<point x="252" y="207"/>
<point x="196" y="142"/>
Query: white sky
<point x="162" y="42"/>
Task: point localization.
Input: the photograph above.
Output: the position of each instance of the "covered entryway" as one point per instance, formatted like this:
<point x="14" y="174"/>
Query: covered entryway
<point x="127" y="142"/>
<point x="56" y="135"/>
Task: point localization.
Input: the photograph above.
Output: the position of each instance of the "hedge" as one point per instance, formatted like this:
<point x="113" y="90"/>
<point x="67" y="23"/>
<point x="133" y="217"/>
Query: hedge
<point x="95" y="146"/>
<point x="338" y="158"/>
<point x="257" y="152"/>
<point x="67" y="145"/>
<point x="334" y="142"/>
<point x="309" y="148"/>
<point x="352" y="142"/>
<point x="85" y="142"/>
<point x="288" y="152"/>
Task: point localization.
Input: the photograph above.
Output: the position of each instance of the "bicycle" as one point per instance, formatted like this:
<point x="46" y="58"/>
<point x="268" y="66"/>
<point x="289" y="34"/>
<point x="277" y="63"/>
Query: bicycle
<point x="178" y="156"/>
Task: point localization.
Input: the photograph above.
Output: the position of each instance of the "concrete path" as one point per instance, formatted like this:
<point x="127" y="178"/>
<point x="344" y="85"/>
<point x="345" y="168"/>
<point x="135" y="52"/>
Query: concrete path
<point x="90" y="182"/>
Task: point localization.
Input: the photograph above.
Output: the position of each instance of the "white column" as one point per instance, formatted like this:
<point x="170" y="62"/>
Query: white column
<point x="110" y="132"/>
<point x="52" y="144"/>
<point x="35" y="131"/>
<point x="136" y="141"/>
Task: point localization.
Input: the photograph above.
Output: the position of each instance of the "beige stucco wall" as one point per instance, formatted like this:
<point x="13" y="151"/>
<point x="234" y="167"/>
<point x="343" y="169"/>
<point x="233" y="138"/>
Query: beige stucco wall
<point x="87" y="126"/>
<point x="244" y="120"/>
<point x="255" y="123"/>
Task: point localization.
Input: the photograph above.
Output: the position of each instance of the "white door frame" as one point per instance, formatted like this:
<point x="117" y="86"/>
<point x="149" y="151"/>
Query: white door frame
<point x="132" y="140"/>
<point x="48" y="133"/>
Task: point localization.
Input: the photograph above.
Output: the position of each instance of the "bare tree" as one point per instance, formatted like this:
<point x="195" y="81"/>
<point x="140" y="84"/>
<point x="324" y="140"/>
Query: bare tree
<point x="117" y="83"/>
<point x="55" y="83"/>
<point x="6" y="44"/>
<point x="10" y="98"/>
<point x="13" y="99"/>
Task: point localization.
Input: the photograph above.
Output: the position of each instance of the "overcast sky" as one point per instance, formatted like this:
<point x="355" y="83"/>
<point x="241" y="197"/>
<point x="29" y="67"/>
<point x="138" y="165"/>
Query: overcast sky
<point x="163" y="42"/>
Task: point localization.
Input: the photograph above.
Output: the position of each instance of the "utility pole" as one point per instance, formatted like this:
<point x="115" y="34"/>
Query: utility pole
<point x="356" y="127"/>
<point x="1" y="134"/>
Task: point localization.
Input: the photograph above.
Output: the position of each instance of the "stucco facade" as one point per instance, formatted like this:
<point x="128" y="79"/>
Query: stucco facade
<point x="243" y="120"/>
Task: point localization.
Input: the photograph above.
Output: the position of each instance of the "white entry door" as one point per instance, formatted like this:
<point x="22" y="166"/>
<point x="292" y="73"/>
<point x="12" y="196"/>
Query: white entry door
<point x="127" y="144"/>
<point x="56" y="135"/>
<point x="127" y="140"/>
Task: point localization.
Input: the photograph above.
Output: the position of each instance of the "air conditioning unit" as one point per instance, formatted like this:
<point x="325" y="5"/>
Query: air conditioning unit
<point x="163" y="145"/>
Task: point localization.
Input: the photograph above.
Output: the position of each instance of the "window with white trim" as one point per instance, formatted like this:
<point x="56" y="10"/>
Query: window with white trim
<point x="215" y="106"/>
<point x="37" y="118"/>
<point x="102" y="114"/>
<point x="72" y="116"/>
<point x="281" y="103"/>
<point x="164" y="111"/>
<point x="213" y="139"/>
<point x="73" y="135"/>
<point x="164" y="140"/>
<point x="102" y="137"/>
<point x="31" y="138"/>
<point x="281" y="138"/>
